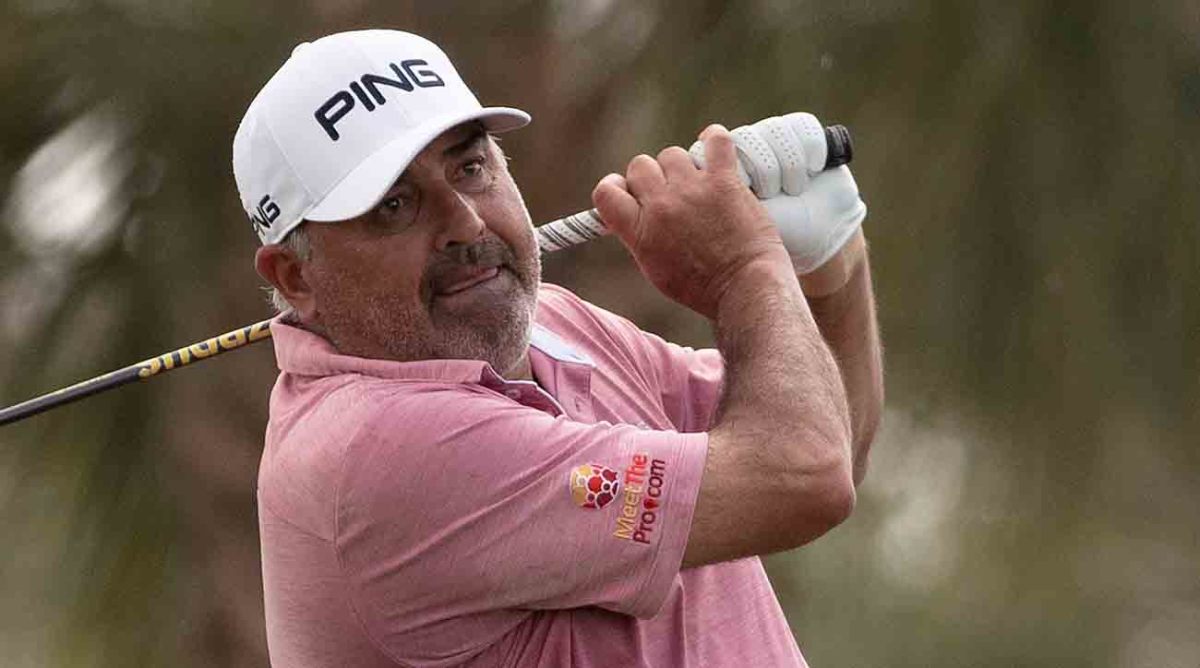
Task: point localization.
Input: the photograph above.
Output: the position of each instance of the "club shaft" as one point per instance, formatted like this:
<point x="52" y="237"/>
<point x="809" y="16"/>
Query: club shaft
<point x="570" y="231"/>
<point x="553" y="236"/>
<point x="143" y="370"/>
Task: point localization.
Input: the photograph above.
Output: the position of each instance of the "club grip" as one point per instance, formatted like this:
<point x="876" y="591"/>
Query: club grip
<point x="586" y="225"/>
<point x="840" y="148"/>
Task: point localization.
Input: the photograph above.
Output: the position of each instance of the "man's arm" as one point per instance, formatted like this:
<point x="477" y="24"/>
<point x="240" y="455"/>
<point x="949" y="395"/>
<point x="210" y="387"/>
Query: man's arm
<point x="779" y="465"/>
<point x="842" y="301"/>
<point x="819" y="217"/>
<point x="778" y="471"/>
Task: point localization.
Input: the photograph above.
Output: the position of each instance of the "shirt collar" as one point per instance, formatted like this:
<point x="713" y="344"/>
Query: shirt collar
<point x="549" y="343"/>
<point x="299" y="351"/>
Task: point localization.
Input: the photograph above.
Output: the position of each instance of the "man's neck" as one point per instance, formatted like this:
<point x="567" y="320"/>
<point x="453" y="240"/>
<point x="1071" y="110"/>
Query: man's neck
<point x="522" y="371"/>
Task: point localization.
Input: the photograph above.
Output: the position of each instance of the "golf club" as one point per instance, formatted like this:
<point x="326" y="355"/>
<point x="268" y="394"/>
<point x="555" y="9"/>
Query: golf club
<point x="553" y="236"/>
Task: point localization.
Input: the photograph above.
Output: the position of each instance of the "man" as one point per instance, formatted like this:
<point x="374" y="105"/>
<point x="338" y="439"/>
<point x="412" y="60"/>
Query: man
<point x="465" y="466"/>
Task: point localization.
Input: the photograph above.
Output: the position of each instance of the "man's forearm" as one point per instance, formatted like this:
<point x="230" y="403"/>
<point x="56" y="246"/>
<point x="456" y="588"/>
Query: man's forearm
<point x="779" y="372"/>
<point x="781" y="436"/>
<point x="845" y="314"/>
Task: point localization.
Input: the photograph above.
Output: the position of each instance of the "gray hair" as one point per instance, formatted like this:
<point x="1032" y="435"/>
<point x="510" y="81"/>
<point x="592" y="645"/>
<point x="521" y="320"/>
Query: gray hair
<point x="296" y="241"/>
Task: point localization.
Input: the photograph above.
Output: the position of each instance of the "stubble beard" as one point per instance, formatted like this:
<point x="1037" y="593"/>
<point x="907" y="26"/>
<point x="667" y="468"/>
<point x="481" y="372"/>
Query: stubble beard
<point x="386" y="325"/>
<point x="498" y="334"/>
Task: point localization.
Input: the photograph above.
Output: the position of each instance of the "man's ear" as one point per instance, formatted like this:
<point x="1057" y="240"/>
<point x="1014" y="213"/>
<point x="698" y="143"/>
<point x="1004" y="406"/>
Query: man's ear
<point x="279" y="266"/>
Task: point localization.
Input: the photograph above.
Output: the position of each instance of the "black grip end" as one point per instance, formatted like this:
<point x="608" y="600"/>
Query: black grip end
<point x="841" y="149"/>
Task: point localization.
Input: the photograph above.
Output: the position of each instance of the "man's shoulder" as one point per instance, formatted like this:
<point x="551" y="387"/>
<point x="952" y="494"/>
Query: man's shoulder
<point x="556" y="296"/>
<point x="336" y="420"/>
<point x="344" y="406"/>
<point x="569" y="314"/>
<point x="328" y="414"/>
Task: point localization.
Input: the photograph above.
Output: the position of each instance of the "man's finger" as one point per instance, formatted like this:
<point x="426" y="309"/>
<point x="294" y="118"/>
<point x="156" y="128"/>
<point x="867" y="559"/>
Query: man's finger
<point x="759" y="160"/>
<point x="811" y="135"/>
<point x="644" y="176"/>
<point x="719" y="153"/>
<point x="676" y="164"/>
<point x="789" y="152"/>
<point x="697" y="153"/>
<point x="617" y="208"/>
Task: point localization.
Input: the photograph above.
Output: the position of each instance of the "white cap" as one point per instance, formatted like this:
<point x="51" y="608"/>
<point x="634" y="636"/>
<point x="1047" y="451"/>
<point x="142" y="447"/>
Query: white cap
<point x="339" y="122"/>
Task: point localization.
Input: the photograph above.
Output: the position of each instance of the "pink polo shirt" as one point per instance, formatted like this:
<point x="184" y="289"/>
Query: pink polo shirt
<point x="435" y="514"/>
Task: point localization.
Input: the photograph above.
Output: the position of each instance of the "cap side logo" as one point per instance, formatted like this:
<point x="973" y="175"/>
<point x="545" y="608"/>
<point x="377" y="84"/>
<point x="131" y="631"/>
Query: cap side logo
<point x="340" y="104"/>
<point x="594" y="486"/>
<point x="265" y="213"/>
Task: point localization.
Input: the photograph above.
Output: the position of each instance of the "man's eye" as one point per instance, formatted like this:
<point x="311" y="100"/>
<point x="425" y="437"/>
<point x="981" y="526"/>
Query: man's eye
<point x="392" y="204"/>
<point x="474" y="168"/>
<point x="393" y="214"/>
<point x="475" y="175"/>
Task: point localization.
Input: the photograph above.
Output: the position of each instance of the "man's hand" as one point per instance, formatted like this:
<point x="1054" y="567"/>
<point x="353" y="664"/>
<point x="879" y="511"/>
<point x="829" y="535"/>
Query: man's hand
<point x="691" y="231"/>
<point x="817" y="212"/>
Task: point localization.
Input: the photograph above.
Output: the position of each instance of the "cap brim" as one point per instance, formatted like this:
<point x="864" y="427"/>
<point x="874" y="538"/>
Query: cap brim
<point x="367" y="183"/>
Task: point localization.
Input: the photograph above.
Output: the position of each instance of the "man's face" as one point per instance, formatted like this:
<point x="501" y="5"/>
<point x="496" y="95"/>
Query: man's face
<point x="444" y="267"/>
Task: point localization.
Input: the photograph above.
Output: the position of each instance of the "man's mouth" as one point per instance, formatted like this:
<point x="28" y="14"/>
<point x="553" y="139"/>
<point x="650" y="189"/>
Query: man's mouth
<point x="466" y="279"/>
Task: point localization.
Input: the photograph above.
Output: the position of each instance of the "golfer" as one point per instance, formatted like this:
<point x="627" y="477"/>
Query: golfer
<point x="467" y="466"/>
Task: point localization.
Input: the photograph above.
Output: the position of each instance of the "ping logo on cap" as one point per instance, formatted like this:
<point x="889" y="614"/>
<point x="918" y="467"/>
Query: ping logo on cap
<point x="265" y="213"/>
<point x="340" y="104"/>
<point x="594" y="486"/>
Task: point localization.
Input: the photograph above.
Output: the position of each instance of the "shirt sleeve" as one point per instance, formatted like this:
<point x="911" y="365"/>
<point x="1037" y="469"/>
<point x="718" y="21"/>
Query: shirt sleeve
<point x="689" y="380"/>
<point x="459" y="508"/>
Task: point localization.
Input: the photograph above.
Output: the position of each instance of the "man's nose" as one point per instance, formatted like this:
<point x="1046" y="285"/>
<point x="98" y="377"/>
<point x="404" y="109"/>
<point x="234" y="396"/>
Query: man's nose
<point x="459" y="222"/>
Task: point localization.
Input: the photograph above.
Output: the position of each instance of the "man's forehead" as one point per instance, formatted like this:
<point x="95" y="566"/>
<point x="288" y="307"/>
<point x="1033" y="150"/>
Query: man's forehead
<point x="456" y="140"/>
<point x="449" y="145"/>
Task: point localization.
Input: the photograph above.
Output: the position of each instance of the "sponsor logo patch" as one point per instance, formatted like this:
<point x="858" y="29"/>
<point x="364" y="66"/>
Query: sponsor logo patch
<point x="594" y="486"/>
<point x="642" y="499"/>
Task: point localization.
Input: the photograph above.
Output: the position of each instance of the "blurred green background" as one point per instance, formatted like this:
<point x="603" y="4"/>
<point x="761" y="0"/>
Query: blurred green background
<point x="1034" y="188"/>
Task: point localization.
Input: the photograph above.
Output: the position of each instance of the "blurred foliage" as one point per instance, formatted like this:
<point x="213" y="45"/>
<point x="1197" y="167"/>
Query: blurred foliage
<point x="1032" y="177"/>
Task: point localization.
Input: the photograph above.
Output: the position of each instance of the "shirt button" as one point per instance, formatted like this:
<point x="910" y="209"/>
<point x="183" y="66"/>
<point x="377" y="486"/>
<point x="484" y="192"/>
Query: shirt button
<point x="578" y="403"/>
<point x="513" y="393"/>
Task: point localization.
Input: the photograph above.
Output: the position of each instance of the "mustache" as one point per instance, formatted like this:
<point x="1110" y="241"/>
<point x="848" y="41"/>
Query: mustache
<point x="487" y="252"/>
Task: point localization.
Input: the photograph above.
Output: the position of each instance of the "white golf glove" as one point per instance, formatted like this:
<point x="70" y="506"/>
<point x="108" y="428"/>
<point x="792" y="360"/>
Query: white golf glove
<point x="816" y="212"/>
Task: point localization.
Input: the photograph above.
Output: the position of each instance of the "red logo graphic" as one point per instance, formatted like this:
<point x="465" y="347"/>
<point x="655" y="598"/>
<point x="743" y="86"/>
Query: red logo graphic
<point x="594" y="486"/>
